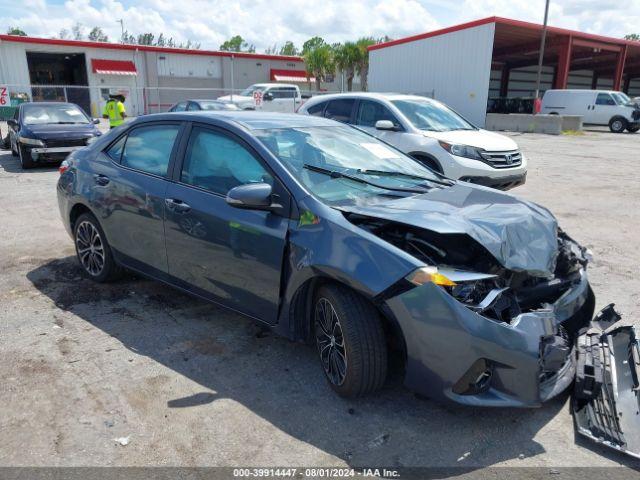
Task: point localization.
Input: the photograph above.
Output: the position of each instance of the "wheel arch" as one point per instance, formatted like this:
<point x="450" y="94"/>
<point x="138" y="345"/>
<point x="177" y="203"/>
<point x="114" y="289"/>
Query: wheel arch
<point x="75" y="212"/>
<point x="300" y="316"/>
<point x="429" y="159"/>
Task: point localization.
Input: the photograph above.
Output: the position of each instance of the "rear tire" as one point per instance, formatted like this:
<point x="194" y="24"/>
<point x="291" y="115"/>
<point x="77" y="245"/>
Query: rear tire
<point x="618" y="124"/>
<point x="93" y="251"/>
<point x="350" y="340"/>
<point x="25" y="158"/>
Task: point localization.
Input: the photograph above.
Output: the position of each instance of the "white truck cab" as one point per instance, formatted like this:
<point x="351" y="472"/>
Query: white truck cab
<point x="597" y="107"/>
<point x="271" y="97"/>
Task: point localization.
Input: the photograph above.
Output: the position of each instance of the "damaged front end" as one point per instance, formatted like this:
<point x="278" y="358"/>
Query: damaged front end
<point x="606" y="402"/>
<point x="492" y="336"/>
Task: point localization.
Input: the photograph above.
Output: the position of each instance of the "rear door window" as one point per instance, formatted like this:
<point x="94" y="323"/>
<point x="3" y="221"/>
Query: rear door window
<point x="317" y="110"/>
<point x="340" y="110"/>
<point x="148" y="149"/>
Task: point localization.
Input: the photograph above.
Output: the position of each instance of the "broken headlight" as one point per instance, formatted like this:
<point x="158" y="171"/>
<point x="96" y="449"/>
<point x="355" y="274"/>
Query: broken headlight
<point x="423" y="275"/>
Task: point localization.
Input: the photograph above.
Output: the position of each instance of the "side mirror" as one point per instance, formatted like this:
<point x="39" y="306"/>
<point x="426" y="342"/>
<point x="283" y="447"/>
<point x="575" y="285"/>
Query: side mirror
<point x="386" y="125"/>
<point x="96" y="121"/>
<point x="252" y="196"/>
<point x="267" y="97"/>
<point x="12" y="123"/>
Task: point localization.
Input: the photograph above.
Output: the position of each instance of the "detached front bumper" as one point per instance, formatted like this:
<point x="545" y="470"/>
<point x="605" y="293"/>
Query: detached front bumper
<point x="51" y="154"/>
<point x="455" y="354"/>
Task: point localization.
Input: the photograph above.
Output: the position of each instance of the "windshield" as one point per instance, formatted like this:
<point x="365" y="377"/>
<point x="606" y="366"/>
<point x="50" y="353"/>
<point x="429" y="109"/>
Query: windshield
<point x="44" y="114"/>
<point x="218" y="106"/>
<point x="621" y="98"/>
<point x="247" y="92"/>
<point x="313" y="153"/>
<point x="433" y="116"/>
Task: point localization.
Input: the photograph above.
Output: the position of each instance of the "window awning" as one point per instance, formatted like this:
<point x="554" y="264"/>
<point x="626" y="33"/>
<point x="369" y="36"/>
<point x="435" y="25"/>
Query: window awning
<point x="278" y="75"/>
<point x="113" y="67"/>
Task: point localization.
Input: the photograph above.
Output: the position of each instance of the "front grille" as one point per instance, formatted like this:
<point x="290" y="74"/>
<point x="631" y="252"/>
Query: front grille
<point x="76" y="142"/>
<point x="509" y="159"/>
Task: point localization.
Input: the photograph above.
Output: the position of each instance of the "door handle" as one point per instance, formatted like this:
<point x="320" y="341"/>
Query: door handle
<point x="176" y="205"/>
<point x="101" y="180"/>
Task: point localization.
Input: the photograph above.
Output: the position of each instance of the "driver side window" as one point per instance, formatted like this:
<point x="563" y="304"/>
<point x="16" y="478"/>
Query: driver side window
<point x="605" y="99"/>
<point x="218" y="163"/>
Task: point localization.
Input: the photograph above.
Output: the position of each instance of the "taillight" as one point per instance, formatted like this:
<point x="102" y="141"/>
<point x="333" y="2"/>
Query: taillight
<point x="64" y="166"/>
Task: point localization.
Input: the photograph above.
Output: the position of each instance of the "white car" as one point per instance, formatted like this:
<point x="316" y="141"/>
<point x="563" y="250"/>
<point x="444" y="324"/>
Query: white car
<point x="271" y="97"/>
<point x="597" y="107"/>
<point x="430" y="132"/>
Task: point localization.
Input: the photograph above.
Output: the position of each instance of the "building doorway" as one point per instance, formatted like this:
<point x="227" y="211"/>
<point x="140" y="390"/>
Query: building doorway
<point x="67" y="71"/>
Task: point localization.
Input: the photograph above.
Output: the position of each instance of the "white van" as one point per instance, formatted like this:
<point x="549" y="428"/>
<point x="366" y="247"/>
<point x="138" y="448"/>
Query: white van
<point x="271" y="97"/>
<point x="597" y="107"/>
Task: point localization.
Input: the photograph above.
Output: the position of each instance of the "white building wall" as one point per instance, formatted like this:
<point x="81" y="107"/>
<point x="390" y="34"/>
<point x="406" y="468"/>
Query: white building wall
<point x="454" y="67"/>
<point x="14" y="71"/>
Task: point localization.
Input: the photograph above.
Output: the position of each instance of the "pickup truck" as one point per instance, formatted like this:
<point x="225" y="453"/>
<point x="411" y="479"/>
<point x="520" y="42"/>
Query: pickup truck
<point x="270" y="97"/>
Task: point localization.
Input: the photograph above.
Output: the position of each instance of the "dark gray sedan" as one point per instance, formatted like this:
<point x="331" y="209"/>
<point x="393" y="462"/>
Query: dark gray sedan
<point x="331" y="236"/>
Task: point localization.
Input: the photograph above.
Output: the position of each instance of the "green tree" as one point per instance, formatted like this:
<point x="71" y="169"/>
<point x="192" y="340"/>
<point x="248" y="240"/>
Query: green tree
<point x="237" y="44"/>
<point x="97" y="35"/>
<point x="64" y="34"/>
<point x="289" y="49"/>
<point x="273" y="50"/>
<point x="312" y="43"/>
<point x="318" y="59"/>
<point x="347" y="58"/>
<point x="363" y="64"/>
<point x="16" y="31"/>
<point x="76" y="31"/>
<point x="146" y="39"/>
<point x="633" y="36"/>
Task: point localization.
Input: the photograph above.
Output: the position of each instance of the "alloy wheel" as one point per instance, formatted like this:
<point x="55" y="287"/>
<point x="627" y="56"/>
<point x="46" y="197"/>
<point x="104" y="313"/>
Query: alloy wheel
<point x="330" y="341"/>
<point x="90" y="248"/>
<point x="617" y="126"/>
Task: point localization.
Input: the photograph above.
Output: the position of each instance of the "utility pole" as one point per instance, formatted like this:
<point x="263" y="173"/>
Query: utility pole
<point x="121" y="22"/>
<point x="542" y="42"/>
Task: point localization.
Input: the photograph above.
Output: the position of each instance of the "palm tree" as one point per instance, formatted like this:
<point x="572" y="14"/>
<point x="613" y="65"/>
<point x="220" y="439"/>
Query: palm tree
<point x="347" y="59"/>
<point x="363" y="64"/>
<point x="318" y="59"/>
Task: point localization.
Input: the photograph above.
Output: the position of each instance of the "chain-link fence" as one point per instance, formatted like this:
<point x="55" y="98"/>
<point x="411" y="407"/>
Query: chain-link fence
<point x="144" y="100"/>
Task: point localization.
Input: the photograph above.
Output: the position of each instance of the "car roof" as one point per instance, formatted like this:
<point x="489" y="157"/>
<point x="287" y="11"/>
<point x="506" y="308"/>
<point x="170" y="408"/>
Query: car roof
<point x="372" y="95"/>
<point x="48" y="103"/>
<point x="250" y="119"/>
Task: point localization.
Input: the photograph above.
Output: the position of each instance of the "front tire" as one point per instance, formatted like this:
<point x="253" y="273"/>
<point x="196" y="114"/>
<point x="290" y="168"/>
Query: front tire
<point x="633" y="129"/>
<point x="93" y="250"/>
<point x="618" y="124"/>
<point x="25" y="158"/>
<point x="350" y="340"/>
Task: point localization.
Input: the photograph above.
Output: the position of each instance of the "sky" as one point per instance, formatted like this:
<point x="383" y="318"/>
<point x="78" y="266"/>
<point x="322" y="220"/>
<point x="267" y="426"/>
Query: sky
<point x="265" y="23"/>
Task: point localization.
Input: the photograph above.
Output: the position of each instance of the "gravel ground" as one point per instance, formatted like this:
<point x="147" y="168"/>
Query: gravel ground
<point x="190" y="384"/>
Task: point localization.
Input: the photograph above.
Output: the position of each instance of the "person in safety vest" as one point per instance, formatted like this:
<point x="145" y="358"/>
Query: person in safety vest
<point x="114" y="110"/>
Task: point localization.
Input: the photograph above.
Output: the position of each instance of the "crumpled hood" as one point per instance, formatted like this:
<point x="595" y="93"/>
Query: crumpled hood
<point x="521" y="235"/>
<point x="489" y="141"/>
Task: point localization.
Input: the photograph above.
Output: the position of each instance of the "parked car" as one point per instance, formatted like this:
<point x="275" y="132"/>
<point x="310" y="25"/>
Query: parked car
<point x="191" y="105"/>
<point x="597" y="107"/>
<point x="46" y="132"/>
<point x="272" y="97"/>
<point x="327" y="234"/>
<point x="430" y="132"/>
